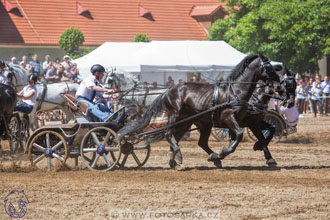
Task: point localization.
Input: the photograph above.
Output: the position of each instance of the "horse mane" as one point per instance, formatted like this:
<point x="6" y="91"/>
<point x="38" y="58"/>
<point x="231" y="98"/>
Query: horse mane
<point x="239" y="68"/>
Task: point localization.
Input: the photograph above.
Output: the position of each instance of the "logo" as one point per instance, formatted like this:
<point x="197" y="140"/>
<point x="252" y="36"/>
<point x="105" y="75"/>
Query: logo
<point x="15" y="204"/>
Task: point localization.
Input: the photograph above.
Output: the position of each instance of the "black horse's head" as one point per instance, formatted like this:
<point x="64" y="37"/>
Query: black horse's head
<point x="290" y="85"/>
<point x="269" y="75"/>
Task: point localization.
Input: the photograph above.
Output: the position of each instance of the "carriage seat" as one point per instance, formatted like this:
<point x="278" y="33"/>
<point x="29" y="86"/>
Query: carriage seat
<point x="75" y="105"/>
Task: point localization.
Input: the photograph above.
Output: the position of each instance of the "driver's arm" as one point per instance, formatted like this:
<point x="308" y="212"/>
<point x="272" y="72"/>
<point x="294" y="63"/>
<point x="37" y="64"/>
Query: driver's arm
<point x="29" y="95"/>
<point x="100" y="89"/>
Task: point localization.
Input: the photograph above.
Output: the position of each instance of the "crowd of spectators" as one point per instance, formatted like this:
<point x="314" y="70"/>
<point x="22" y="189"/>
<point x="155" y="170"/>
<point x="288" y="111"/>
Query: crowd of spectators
<point x="313" y="96"/>
<point x="49" y="71"/>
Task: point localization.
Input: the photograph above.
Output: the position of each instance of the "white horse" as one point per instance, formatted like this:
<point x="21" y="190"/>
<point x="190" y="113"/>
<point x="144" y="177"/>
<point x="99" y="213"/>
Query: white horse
<point x="48" y="96"/>
<point x="130" y="89"/>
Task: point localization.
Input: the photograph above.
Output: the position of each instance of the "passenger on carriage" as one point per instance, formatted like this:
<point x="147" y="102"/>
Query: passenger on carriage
<point x="291" y="115"/>
<point x="87" y="91"/>
<point x="28" y="95"/>
<point x="3" y="78"/>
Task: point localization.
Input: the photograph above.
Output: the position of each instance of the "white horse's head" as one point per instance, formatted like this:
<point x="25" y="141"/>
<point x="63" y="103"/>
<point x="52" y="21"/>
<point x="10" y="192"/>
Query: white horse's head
<point x="16" y="76"/>
<point x="120" y="80"/>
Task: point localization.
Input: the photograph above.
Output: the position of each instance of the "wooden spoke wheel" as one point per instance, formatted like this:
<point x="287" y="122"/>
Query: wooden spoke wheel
<point x="134" y="155"/>
<point x="48" y="150"/>
<point x="221" y="134"/>
<point x="14" y="134"/>
<point x="277" y="121"/>
<point x="97" y="146"/>
<point x="25" y="132"/>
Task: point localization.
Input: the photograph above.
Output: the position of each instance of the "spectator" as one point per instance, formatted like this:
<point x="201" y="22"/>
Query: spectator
<point x="325" y="85"/>
<point x="47" y="64"/>
<point x="74" y="73"/>
<point x="35" y="64"/>
<point x="13" y="61"/>
<point x="301" y="98"/>
<point x="308" y="100"/>
<point x="154" y="84"/>
<point x="316" y="92"/>
<point x="3" y="78"/>
<point x="51" y="74"/>
<point x="66" y="63"/>
<point x="61" y="73"/>
<point x="193" y="79"/>
<point x="167" y="84"/>
<point x="57" y="62"/>
<point x="25" y="65"/>
<point x="181" y="81"/>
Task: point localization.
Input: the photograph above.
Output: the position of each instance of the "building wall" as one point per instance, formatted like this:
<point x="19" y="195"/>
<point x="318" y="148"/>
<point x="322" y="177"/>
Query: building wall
<point x="7" y="52"/>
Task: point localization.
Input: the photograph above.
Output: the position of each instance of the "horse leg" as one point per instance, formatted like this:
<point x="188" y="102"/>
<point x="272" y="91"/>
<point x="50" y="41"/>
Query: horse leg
<point x="205" y="131"/>
<point x="237" y="136"/>
<point x="267" y="126"/>
<point x="175" y="155"/>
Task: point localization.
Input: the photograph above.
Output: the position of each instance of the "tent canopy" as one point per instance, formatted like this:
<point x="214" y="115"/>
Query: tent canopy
<point x="156" y="60"/>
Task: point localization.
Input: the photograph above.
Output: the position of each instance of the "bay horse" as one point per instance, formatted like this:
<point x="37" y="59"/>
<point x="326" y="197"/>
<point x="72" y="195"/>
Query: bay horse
<point x="190" y="99"/>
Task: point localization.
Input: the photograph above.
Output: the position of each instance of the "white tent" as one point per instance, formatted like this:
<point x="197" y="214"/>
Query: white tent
<point x="157" y="60"/>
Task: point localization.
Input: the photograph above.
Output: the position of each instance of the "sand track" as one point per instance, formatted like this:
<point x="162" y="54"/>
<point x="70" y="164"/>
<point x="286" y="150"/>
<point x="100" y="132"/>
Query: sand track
<point x="299" y="188"/>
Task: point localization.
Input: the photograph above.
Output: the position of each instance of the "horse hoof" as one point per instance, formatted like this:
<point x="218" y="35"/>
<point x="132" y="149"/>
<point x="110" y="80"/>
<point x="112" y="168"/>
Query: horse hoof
<point x="218" y="163"/>
<point x="271" y="163"/>
<point x="172" y="164"/>
<point x="180" y="167"/>
<point x="213" y="157"/>
<point x="178" y="159"/>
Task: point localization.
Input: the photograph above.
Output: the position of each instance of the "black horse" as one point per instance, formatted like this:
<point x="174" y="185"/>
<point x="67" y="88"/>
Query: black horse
<point x="8" y="100"/>
<point x="194" y="101"/>
<point x="258" y="104"/>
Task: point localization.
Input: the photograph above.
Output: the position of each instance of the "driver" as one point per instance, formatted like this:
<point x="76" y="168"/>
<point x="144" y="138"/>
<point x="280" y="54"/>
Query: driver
<point x="28" y="95"/>
<point x="3" y="78"/>
<point x="87" y="90"/>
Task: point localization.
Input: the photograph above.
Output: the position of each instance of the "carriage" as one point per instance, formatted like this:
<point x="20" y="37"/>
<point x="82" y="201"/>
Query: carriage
<point x="97" y="143"/>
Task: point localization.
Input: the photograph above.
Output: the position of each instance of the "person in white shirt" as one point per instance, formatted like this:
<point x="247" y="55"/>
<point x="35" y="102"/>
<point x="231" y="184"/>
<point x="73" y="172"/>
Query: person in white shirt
<point x="291" y="115"/>
<point x="28" y="95"/>
<point x="3" y="78"/>
<point x="87" y="90"/>
<point x="325" y="85"/>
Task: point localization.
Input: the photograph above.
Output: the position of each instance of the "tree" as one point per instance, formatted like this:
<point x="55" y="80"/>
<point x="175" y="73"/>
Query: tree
<point x="295" y="32"/>
<point x="141" y="38"/>
<point x="70" y="41"/>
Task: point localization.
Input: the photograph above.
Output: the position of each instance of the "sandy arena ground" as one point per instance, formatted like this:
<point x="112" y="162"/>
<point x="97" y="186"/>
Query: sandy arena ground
<point x="298" y="188"/>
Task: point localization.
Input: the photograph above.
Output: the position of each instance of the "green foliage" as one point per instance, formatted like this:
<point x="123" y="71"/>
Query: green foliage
<point x="141" y="38"/>
<point x="295" y="32"/>
<point x="70" y="41"/>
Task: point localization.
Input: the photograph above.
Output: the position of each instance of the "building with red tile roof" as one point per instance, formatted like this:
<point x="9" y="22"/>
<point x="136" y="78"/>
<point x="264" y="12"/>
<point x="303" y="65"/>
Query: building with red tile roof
<point x="37" y="25"/>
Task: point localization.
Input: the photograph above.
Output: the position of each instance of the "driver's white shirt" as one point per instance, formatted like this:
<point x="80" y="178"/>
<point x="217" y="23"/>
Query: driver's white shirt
<point x="3" y="79"/>
<point x="291" y="115"/>
<point x="27" y="91"/>
<point x="85" y="88"/>
<point x="271" y="104"/>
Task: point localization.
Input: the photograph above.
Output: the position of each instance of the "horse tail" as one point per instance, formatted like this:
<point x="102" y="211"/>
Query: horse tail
<point x="143" y="122"/>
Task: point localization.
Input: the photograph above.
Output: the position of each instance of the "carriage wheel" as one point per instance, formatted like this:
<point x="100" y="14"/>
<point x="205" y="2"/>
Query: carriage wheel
<point x="96" y="147"/>
<point x="48" y="150"/>
<point x="279" y="128"/>
<point x="221" y="134"/>
<point x="25" y="132"/>
<point x="134" y="155"/>
<point x="14" y="130"/>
